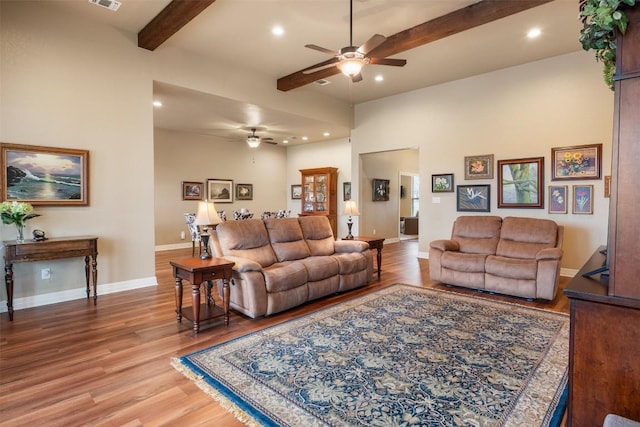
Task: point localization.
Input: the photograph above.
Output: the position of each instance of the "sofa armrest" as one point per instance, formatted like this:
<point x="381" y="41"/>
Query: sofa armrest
<point x="349" y="246"/>
<point x="445" y="245"/>
<point x="243" y="265"/>
<point x="549" y="254"/>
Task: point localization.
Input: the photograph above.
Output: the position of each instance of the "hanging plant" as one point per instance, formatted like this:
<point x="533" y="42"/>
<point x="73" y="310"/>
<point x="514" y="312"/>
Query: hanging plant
<point x="601" y="19"/>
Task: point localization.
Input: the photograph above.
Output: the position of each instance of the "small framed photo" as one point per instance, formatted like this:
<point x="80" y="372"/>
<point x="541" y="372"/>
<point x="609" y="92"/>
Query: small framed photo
<point x="296" y="191"/>
<point x="220" y="190"/>
<point x="521" y="183"/>
<point x="346" y="191"/>
<point x="583" y="199"/>
<point x="192" y="190"/>
<point x="442" y="183"/>
<point x="478" y="167"/>
<point x="607" y="186"/>
<point x="44" y="176"/>
<point x="473" y="198"/>
<point x="577" y="162"/>
<point x="380" y="190"/>
<point x="558" y="195"/>
<point x="244" y="191"/>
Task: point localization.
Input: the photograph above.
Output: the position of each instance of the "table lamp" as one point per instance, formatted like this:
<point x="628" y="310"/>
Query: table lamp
<point x="206" y="216"/>
<point x="350" y="209"/>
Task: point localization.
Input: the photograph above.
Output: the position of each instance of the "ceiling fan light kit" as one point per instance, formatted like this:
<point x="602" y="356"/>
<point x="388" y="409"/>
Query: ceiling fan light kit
<point x="253" y="140"/>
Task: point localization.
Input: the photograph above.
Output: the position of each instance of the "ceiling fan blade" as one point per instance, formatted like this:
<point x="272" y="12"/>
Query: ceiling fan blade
<point x="322" y="49"/>
<point x="321" y="66"/>
<point x="388" y="61"/>
<point x="357" y="78"/>
<point x="375" y="41"/>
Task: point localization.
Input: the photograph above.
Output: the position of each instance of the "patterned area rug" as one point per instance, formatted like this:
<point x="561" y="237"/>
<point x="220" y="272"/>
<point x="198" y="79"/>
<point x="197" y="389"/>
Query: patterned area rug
<point x="400" y="356"/>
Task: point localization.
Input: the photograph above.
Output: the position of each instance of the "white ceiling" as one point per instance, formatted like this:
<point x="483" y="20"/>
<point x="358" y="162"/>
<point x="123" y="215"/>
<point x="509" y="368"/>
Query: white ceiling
<point x="238" y="32"/>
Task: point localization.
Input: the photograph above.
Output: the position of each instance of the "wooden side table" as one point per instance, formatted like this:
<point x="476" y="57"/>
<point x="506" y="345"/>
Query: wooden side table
<point x="197" y="271"/>
<point x="374" y="243"/>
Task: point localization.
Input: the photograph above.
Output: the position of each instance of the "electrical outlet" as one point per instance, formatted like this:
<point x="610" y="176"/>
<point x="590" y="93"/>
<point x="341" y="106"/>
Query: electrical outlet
<point x="182" y="235"/>
<point x="374" y="231"/>
<point x="46" y="273"/>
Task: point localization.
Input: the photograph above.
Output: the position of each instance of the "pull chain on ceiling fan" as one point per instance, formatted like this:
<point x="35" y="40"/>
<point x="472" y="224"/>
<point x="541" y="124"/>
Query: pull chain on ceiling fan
<point x="351" y="59"/>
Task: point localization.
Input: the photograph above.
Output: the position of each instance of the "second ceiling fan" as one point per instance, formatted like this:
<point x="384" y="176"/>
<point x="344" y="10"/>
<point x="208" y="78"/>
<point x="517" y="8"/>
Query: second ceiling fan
<point x="351" y="59"/>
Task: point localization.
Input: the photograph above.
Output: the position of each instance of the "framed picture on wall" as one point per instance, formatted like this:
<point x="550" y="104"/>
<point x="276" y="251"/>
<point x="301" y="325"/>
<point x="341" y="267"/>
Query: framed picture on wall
<point x="558" y="196"/>
<point x="583" y="199"/>
<point x="380" y="190"/>
<point x="478" y="167"/>
<point x="521" y="183"/>
<point x="473" y="198"/>
<point x="346" y="191"/>
<point x="44" y="175"/>
<point x="220" y="190"/>
<point x="442" y="183"/>
<point x="192" y="190"/>
<point x="296" y="191"/>
<point x="244" y="191"/>
<point x="577" y="162"/>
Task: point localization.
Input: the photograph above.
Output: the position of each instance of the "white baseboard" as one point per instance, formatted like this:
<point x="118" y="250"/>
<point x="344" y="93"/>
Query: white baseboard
<point x="173" y="246"/>
<point x="78" y="293"/>
<point x="568" y="272"/>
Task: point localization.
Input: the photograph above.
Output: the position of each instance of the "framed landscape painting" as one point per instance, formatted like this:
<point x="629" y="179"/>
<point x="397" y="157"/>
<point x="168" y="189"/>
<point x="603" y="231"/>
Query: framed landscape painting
<point x="192" y="190"/>
<point x="220" y="190"/>
<point x="296" y="191"/>
<point x="521" y="183"/>
<point x="244" y="191"/>
<point x="473" y="198"/>
<point x="44" y="175"/>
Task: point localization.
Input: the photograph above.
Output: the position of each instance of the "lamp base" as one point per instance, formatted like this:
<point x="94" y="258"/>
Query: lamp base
<point x="205" y="247"/>
<point x="349" y="225"/>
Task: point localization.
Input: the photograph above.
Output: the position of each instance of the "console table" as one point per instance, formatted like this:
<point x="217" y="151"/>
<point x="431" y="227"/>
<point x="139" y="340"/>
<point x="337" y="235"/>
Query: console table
<point x="197" y="271"/>
<point x="56" y="248"/>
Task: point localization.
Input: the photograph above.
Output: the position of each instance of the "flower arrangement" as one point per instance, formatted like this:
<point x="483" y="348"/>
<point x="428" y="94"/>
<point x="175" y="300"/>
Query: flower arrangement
<point x="17" y="213"/>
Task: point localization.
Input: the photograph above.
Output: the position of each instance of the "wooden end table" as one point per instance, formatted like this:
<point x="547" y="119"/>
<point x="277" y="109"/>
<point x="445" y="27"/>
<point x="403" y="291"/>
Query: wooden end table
<point x="374" y="243"/>
<point x="197" y="271"/>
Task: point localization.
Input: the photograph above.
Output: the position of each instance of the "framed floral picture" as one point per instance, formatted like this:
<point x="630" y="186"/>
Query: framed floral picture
<point x="521" y="183"/>
<point x="192" y="190"/>
<point x="478" y="167"/>
<point x="473" y="198"/>
<point x="577" y="162"/>
<point x="220" y="190"/>
<point x="442" y="183"/>
<point x="346" y="191"/>
<point x="583" y="199"/>
<point x="558" y="199"/>
<point x="244" y="191"/>
<point x="380" y="190"/>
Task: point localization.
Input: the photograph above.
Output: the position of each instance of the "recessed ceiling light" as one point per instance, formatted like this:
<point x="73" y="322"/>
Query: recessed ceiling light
<point x="304" y="138"/>
<point x="534" y="33"/>
<point x="285" y="141"/>
<point x="326" y="134"/>
<point x="379" y="78"/>
<point x="277" y="30"/>
<point x="157" y="104"/>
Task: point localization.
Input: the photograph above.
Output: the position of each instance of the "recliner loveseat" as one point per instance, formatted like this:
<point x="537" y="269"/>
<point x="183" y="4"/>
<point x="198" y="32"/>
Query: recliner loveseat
<point x="281" y="263"/>
<point x="514" y="256"/>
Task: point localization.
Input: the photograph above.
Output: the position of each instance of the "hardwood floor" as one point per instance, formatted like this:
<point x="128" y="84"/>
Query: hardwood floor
<point x="76" y="364"/>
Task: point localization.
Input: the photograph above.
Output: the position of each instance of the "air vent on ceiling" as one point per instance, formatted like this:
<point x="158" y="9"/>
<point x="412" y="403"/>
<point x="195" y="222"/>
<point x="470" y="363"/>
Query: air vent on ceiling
<point x="323" y="82"/>
<point x="109" y="4"/>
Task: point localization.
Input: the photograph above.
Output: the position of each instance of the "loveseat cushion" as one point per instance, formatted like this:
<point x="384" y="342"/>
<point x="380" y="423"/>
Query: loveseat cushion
<point x="477" y="234"/>
<point x="318" y="234"/>
<point x="284" y="276"/>
<point x="512" y="268"/>
<point x="246" y="239"/>
<point x="524" y="237"/>
<point x="286" y="239"/>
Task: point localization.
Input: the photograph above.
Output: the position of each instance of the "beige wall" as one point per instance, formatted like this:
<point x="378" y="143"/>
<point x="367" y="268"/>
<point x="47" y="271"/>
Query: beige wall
<point x="514" y="113"/>
<point x="406" y="182"/>
<point x="188" y="157"/>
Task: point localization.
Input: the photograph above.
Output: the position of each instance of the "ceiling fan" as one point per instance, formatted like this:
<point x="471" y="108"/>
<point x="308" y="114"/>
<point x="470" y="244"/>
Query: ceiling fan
<point x="351" y="59"/>
<point x="254" y="140"/>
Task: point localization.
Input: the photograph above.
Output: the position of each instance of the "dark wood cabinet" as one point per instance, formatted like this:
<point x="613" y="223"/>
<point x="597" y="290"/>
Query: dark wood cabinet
<point x="319" y="194"/>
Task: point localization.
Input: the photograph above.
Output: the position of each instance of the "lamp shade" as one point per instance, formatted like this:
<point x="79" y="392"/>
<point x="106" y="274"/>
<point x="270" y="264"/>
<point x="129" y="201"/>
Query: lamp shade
<point x="207" y="214"/>
<point x="350" y="208"/>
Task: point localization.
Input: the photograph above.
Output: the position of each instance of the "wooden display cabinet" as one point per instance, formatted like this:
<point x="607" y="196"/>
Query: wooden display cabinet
<point x="319" y="194"/>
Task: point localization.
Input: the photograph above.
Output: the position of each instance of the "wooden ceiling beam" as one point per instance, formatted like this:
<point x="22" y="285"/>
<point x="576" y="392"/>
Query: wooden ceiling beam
<point x="452" y="23"/>
<point x="172" y="18"/>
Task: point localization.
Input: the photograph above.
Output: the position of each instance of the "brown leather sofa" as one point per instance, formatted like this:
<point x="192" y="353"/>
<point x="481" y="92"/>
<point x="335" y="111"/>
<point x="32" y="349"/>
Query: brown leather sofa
<point x="281" y="263"/>
<point x="514" y="256"/>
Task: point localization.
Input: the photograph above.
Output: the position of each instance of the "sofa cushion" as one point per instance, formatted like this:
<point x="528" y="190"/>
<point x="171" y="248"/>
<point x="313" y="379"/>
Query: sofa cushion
<point x="286" y="239"/>
<point x="351" y="263"/>
<point x="459" y="261"/>
<point x="284" y="276"/>
<point x="477" y="234"/>
<point x="320" y="267"/>
<point x="512" y="268"/>
<point x="246" y="239"/>
<point x="318" y="234"/>
<point x="524" y="237"/>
